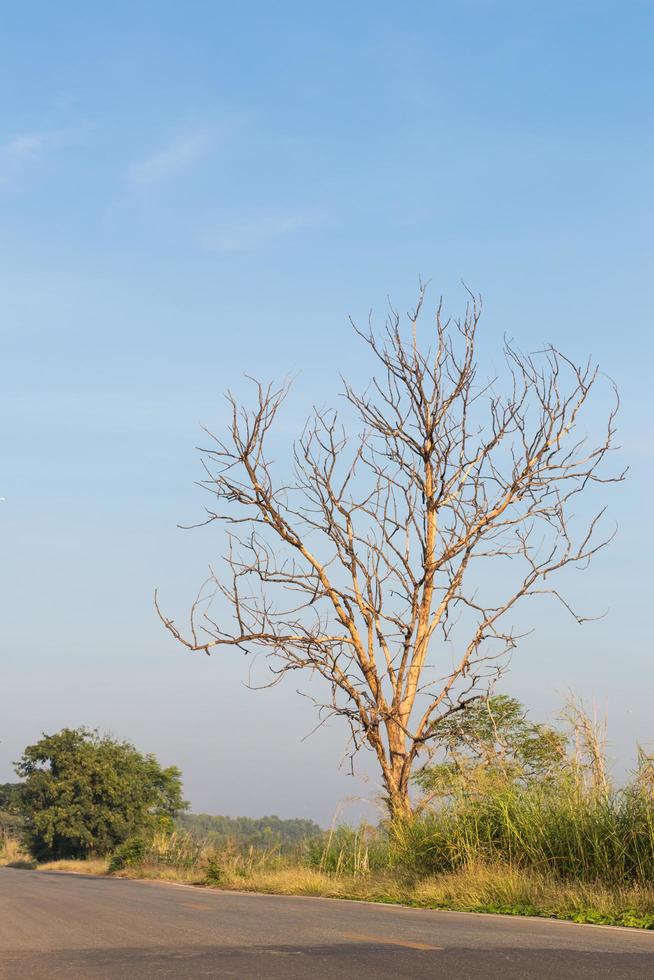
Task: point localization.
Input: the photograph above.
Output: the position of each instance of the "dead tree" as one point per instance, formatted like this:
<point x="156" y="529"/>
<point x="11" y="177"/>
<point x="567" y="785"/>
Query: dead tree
<point x="390" y="561"/>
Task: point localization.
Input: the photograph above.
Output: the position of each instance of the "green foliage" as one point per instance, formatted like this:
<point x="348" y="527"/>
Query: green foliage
<point x="129" y="854"/>
<point x="492" y="742"/>
<point x="215" y="872"/>
<point x="85" y="794"/>
<point x="631" y="918"/>
<point x="244" y="832"/>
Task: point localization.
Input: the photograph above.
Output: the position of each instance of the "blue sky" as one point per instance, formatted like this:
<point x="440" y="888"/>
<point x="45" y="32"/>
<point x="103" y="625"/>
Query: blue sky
<point x="191" y="191"/>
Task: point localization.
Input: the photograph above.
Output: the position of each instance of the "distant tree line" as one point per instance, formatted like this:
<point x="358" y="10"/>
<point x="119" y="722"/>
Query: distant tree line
<point x="257" y="832"/>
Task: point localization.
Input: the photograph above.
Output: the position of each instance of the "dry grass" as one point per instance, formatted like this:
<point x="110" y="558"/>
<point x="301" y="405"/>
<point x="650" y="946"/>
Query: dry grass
<point x="13" y="855"/>
<point x="163" y="872"/>
<point x="91" y="866"/>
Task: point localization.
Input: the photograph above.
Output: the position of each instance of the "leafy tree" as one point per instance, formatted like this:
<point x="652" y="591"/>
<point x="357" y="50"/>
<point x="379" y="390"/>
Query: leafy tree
<point x="85" y="793"/>
<point x="492" y="741"/>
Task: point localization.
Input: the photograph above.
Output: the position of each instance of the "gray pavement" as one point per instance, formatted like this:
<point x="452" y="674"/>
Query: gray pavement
<point x="83" y="928"/>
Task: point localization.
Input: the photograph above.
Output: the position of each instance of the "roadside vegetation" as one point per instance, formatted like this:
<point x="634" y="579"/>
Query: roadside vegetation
<point x="511" y="816"/>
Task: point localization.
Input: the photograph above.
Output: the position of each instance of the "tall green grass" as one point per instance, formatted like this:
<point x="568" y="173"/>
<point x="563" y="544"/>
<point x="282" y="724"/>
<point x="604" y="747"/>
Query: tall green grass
<point x="558" y="829"/>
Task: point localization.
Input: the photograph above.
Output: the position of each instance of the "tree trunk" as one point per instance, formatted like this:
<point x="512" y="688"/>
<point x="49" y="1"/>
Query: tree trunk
<point x="399" y="805"/>
<point x="396" y="778"/>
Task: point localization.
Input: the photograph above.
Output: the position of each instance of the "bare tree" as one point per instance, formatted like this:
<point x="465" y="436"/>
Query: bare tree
<point x="389" y="563"/>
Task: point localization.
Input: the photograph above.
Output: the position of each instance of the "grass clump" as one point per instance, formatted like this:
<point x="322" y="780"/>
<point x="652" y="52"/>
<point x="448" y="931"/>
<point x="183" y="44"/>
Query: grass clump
<point x="13" y="853"/>
<point x="82" y="866"/>
<point x="555" y="829"/>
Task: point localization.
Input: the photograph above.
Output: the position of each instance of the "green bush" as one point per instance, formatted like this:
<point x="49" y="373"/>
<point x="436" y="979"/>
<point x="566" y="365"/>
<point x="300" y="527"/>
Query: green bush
<point x="215" y="873"/>
<point x="131" y="852"/>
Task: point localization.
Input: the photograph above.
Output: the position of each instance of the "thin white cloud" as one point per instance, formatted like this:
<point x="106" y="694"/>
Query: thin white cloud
<point x="25" y="149"/>
<point x="174" y="158"/>
<point x="247" y="235"/>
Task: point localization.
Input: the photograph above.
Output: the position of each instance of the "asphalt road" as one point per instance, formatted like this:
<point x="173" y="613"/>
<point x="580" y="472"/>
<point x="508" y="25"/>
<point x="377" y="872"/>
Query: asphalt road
<point x="73" y="926"/>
